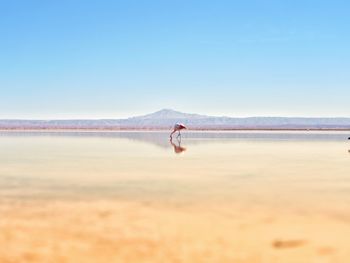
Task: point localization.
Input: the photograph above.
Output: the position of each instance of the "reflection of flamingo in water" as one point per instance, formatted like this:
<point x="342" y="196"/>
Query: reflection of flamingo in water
<point x="177" y="148"/>
<point x="177" y="128"/>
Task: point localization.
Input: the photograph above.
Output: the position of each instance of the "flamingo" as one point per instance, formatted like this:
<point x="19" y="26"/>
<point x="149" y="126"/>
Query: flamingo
<point x="177" y="128"/>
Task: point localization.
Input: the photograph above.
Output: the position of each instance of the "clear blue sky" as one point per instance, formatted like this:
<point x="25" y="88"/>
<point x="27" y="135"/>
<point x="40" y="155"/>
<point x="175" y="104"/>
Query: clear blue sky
<point x="109" y="59"/>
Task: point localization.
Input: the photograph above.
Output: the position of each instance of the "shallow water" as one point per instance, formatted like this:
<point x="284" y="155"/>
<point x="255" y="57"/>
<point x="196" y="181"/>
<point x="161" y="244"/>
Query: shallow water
<point x="209" y="197"/>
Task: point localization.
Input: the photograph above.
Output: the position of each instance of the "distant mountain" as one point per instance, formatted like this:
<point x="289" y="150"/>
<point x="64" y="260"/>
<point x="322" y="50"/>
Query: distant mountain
<point x="166" y="118"/>
<point x="169" y="114"/>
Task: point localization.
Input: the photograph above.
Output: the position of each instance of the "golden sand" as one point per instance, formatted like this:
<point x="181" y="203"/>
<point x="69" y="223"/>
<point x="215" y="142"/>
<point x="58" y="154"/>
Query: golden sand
<point x="114" y="231"/>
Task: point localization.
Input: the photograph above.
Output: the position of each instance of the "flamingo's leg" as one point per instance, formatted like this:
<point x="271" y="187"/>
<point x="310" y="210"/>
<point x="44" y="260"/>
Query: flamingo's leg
<point x="178" y="140"/>
<point x="179" y="135"/>
<point x="171" y="134"/>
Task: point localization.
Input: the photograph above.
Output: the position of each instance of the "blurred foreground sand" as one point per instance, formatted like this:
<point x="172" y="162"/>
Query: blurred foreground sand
<point x="121" y="231"/>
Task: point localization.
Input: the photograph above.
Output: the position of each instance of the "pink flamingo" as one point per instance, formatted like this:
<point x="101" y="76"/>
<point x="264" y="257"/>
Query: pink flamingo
<point x="177" y="128"/>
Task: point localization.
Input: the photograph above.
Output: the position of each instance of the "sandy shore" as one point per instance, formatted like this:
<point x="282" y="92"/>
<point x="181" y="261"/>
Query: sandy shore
<point x="121" y="231"/>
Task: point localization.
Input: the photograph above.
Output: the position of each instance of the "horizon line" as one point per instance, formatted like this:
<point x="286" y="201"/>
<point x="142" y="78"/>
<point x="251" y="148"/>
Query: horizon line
<point x="167" y="109"/>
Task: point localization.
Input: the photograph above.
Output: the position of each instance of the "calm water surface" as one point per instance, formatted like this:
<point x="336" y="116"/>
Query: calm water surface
<point x="211" y="197"/>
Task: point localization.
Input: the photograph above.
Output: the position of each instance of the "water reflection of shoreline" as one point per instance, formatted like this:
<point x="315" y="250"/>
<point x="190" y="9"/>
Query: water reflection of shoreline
<point x="160" y="138"/>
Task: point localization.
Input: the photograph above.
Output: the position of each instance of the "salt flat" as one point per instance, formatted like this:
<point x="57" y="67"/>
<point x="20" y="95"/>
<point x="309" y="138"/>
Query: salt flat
<point x="136" y="197"/>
